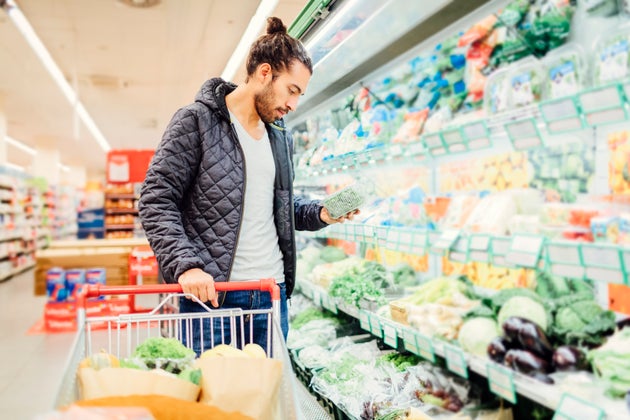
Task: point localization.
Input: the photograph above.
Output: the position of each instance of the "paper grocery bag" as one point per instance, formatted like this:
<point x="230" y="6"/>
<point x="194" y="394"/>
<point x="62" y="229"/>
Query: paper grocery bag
<point x="110" y="382"/>
<point x="247" y="385"/>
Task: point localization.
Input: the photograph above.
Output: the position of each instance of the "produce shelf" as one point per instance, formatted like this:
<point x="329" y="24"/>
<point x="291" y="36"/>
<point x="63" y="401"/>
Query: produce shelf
<point x="502" y="381"/>
<point x="608" y="263"/>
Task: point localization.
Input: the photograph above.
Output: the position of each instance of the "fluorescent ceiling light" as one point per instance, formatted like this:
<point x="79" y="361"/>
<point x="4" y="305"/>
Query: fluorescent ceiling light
<point x="14" y="167"/>
<point x="22" y="24"/>
<point x="265" y="7"/>
<point x="18" y="144"/>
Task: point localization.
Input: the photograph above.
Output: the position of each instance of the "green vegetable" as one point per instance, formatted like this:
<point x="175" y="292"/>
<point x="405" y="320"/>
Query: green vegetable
<point x="436" y="289"/>
<point x="404" y="275"/>
<point x="611" y="362"/>
<point x="160" y="347"/>
<point x="364" y="281"/>
<point x="332" y="254"/>
<point x="480" y="311"/>
<point x="524" y="307"/>
<point x="502" y="296"/>
<point x="476" y="334"/>
<point x="309" y="315"/>
<point x="191" y="375"/>
<point x="582" y="322"/>
<point x="401" y="361"/>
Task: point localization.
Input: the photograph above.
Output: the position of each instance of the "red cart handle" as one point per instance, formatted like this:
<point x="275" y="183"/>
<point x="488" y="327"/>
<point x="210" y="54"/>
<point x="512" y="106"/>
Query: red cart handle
<point x="96" y="290"/>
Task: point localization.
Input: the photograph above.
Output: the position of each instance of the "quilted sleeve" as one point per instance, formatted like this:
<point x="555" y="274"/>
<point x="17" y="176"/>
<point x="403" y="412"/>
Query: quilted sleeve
<point x="170" y="174"/>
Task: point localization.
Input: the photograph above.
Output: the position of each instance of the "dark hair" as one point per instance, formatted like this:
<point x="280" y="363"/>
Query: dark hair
<point x="277" y="48"/>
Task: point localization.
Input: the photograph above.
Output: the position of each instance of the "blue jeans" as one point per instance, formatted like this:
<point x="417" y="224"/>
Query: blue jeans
<point x="217" y="330"/>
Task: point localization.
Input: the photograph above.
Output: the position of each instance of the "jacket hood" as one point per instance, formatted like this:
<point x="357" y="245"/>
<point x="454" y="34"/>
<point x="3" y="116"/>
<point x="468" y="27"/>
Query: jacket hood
<point x="212" y="94"/>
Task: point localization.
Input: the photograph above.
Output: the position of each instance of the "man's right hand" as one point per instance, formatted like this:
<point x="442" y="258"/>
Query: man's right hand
<point x="200" y="284"/>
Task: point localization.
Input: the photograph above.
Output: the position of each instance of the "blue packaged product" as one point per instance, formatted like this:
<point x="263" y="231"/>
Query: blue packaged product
<point x="95" y="276"/>
<point x="56" y="285"/>
<point x="75" y="278"/>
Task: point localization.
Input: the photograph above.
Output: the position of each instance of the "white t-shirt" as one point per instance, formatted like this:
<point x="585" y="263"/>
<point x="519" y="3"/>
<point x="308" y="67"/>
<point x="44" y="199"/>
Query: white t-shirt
<point x="257" y="253"/>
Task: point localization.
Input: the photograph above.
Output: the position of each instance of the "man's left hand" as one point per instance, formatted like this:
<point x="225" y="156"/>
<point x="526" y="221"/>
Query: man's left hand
<point x="325" y="216"/>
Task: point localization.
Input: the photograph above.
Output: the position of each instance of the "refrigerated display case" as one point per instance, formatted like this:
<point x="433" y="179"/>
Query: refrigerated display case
<point x="498" y="155"/>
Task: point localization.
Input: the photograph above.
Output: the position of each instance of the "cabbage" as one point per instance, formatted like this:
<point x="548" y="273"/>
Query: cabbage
<point x="524" y="307"/>
<point x="476" y="334"/>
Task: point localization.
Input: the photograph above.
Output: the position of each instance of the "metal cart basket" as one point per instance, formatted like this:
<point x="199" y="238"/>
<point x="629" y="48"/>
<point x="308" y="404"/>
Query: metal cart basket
<point x="119" y="335"/>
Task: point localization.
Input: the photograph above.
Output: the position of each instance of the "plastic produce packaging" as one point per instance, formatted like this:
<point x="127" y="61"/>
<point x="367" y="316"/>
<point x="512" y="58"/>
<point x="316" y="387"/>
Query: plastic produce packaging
<point x="566" y="71"/>
<point x="348" y="199"/>
<point x="612" y="56"/>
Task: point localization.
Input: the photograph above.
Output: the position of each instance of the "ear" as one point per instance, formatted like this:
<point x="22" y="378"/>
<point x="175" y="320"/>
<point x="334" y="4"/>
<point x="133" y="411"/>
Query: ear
<point x="263" y="72"/>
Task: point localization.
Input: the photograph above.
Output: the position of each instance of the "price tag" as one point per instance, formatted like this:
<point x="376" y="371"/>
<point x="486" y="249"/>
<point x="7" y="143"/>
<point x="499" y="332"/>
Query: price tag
<point x="601" y="256"/>
<point x="500" y="246"/>
<point x="478" y="247"/>
<point x="446" y="240"/>
<point x="393" y="236"/>
<point x="457" y="148"/>
<point x="406" y="237"/>
<point x="455" y="361"/>
<point x="573" y="271"/>
<point x="368" y="231"/>
<point x="606" y="117"/>
<point x="574" y="408"/>
<point x="432" y="141"/>
<point x="328" y="303"/>
<point x="390" y="334"/>
<point x="438" y="151"/>
<point x="375" y="326"/>
<point x="452" y="137"/>
<point x="501" y="381"/>
<point x="559" y="110"/>
<point x="474" y="131"/>
<point x="396" y="150"/>
<point x="479" y="144"/>
<point x="564" y="253"/>
<point x="625" y="255"/>
<point x="525" y="250"/>
<point x="317" y="298"/>
<point x="604" y="275"/>
<point x="409" y="341"/>
<point x="595" y="100"/>
<point x="425" y="347"/>
<point x="415" y="149"/>
<point x="524" y="134"/>
<point x="378" y="155"/>
<point x="364" y="320"/>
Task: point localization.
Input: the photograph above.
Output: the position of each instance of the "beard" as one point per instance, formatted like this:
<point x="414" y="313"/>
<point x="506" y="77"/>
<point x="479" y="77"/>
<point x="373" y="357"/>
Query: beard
<point x="263" y="102"/>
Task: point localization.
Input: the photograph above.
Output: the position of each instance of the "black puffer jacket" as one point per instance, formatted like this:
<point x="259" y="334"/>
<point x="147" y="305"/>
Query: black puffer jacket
<point x="191" y="202"/>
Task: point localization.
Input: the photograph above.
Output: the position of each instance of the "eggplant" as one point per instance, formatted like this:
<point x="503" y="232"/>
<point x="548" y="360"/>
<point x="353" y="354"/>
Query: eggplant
<point x="497" y="349"/>
<point x="526" y="362"/>
<point x="533" y="338"/>
<point x="568" y="359"/>
<point x="512" y="326"/>
<point x="542" y="377"/>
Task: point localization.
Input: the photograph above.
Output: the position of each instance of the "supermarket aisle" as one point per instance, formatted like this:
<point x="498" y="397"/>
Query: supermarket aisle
<point x="31" y="366"/>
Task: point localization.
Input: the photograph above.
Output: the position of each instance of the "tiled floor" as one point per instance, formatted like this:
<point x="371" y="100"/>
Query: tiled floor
<point x="31" y="366"/>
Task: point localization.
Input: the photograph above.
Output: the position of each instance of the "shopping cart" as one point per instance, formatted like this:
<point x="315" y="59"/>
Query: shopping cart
<point x="119" y="335"/>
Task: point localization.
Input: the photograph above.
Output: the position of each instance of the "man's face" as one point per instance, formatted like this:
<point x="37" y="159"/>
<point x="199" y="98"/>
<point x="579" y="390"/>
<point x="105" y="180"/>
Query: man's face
<point x="280" y="93"/>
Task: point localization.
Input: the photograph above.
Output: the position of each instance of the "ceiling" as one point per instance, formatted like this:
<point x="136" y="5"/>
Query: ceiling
<point x="133" y="67"/>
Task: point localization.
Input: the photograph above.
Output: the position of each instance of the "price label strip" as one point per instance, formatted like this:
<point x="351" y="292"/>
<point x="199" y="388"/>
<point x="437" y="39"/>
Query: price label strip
<point x="574" y="408"/>
<point x="525" y="250"/>
<point x="479" y="247"/>
<point x="329" y="304"/>
<point x="455" y="361"/>
<point x="390" y="334"/>
<point x="425" y="347"/>
<point x="445" y="241"/>
<point x="501" y="382"/>
<point x="375" y="325"/>
<point x="364" y="320"/>
<point x="409" y="341"/>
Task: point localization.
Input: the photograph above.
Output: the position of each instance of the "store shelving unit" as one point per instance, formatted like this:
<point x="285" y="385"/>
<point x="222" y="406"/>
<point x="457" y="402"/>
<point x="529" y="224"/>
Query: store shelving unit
<point x="121" y="211"/>
<point x="504" y="382"/>
<point x="583" y="117"/>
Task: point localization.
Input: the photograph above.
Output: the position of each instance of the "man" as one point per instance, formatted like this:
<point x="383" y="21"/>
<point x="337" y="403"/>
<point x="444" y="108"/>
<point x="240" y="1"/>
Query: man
<point x="217" y="203"/>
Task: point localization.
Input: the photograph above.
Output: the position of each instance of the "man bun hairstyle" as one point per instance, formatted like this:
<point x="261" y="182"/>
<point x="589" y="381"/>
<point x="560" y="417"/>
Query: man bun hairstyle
<point x="278" y="49"/>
